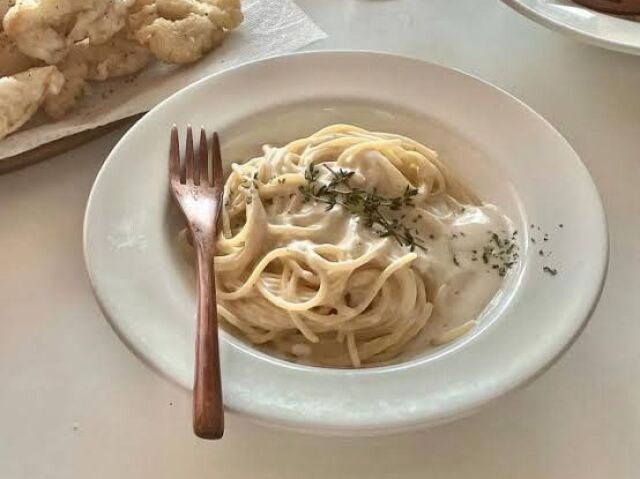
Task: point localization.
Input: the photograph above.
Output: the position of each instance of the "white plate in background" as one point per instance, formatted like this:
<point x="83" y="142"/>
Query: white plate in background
<point x="507" y="152"/>
<point x="621" y="33"/>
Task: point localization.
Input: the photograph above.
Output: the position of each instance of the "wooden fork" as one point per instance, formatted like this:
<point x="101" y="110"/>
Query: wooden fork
<point x="200" y="199"/>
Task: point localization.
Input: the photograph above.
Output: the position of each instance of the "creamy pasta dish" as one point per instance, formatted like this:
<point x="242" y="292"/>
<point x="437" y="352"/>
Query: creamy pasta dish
<point x="350" y="248"/>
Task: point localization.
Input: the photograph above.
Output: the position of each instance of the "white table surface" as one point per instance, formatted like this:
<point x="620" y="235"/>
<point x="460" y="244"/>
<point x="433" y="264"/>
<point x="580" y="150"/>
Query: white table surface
<point x="75" y="403"/>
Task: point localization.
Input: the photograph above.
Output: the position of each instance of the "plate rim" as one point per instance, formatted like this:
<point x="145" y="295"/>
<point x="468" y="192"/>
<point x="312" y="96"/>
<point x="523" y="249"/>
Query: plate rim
<point x="383" y="427"/>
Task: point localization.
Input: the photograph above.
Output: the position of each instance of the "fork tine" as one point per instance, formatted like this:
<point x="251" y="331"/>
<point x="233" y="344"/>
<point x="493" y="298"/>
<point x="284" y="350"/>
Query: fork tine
<point x="188" y="160"/>
<point x="216" y="161"/>
<point x="204" y="159"/>
<point x="174" y="155"/>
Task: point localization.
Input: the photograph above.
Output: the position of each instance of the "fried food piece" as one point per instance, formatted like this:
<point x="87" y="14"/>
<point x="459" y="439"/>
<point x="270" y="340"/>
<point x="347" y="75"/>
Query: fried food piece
<point x="12" y="60"/>
<point x="143" y="13"/>
<point x="37" y="32"/>
<point x="180" y="41"/>
<point x="177" y="9"/>
<point x="5" y="5"/>
<point x="222" y="13"/>
<point x="182" y="31"/>
<point x="101" y="22"/>
<point x="75" y="79"/>
<point x="118" y="57"/>
<point x="47" y="29"/>
<point x="22" y="94"/>
<point x="86" y="61"/>
<point x="225" y="13"/>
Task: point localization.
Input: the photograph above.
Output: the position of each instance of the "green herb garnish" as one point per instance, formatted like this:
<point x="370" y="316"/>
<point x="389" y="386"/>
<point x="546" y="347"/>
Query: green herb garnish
<point x="501" y="252"/>
<point x="371" y="208"/>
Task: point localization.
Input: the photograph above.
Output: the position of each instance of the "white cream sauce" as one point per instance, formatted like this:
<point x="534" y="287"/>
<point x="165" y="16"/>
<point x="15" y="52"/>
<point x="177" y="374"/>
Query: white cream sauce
<point x="459" y="288"/>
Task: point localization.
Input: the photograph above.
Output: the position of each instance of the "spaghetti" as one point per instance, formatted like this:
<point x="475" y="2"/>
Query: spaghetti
<point x="349" y="248"/>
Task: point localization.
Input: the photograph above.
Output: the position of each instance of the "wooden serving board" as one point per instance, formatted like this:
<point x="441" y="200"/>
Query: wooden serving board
<point x="62" y="145"/>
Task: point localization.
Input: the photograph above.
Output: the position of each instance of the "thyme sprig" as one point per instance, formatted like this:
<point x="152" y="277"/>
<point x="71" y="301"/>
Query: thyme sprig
<point x="371" y="208"/>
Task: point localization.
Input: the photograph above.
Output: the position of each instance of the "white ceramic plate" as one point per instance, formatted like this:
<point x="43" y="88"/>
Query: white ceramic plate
<point x="605" y="30"/>
<point x="507" y="152"/>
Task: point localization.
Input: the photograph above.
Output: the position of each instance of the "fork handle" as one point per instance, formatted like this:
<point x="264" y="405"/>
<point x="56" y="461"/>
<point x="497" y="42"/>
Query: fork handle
<point x="208" y="409"/>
